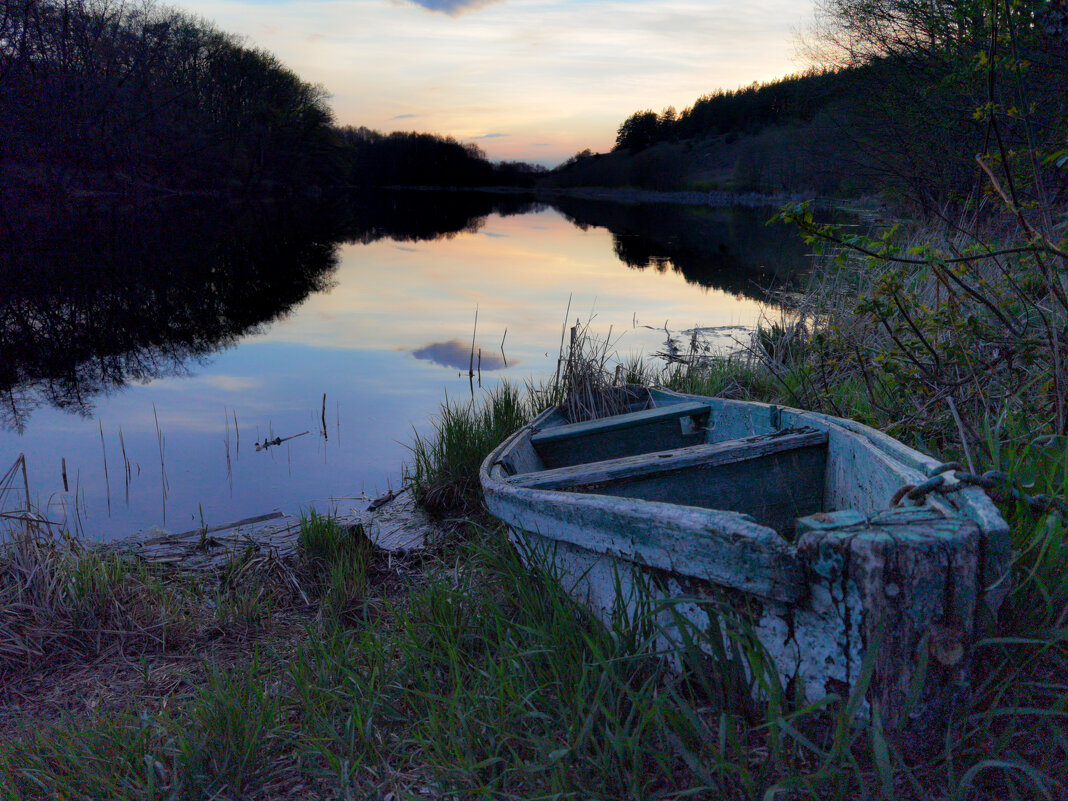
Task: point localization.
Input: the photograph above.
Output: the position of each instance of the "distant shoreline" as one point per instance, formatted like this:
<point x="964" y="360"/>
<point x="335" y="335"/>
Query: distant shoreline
<point x="688" y="198"/>
<point x="20" y="183"/>
<point x="718" y="198"/>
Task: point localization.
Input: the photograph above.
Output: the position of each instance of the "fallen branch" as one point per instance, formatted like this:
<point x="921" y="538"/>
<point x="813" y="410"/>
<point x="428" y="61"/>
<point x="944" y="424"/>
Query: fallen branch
<point x="267" y="443"/>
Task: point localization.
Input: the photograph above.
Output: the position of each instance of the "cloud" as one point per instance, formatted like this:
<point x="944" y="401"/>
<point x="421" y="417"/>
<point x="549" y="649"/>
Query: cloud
<point x="457" y="354"/>
<point x="453" y="8"/>
<point x="490" y="136"/>
<point x="404" y="116"/>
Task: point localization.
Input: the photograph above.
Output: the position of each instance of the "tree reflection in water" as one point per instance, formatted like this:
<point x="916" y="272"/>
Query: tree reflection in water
<point x="102" y="293"/>
<point x="730" y="249"/>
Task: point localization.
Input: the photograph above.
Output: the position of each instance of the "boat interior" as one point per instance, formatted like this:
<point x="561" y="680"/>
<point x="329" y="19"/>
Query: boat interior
<point x="675" y="453"/>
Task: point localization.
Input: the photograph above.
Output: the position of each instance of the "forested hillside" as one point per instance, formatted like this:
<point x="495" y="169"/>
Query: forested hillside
<point x="750" y="109"/>
<point x="98" y="91"/>
<point x="901" y="98"/>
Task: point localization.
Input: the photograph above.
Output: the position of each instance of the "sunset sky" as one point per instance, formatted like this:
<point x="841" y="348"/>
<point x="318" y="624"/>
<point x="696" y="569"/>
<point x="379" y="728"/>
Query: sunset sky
<point x="536" y="80"/>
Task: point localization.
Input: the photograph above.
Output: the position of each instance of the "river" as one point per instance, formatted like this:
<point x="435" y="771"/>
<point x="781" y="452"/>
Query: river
<point x="148" y="348"/>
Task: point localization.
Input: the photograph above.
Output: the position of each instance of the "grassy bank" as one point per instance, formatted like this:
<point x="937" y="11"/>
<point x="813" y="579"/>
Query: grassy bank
<point x="476" y="678"/>
<point x="461" y="674"/>
<point x="468" y="676"/>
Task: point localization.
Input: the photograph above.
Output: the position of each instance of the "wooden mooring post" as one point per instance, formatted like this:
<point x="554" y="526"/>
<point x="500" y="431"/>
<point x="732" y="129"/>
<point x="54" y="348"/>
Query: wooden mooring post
<point x="893" y="608"/>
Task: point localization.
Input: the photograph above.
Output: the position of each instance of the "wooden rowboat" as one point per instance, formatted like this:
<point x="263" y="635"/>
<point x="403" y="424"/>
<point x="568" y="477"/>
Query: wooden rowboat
<point x="790" y="517"/>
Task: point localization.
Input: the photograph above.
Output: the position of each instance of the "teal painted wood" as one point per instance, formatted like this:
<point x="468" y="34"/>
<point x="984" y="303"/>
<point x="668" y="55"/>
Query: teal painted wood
<point x="648" y="430"/>
<point x="826" y="521"/>
<point x="865" y="468"/>
<point x="906" y="589"/>
<point x="517" y="454"/>
<point x="618" y="422"/>
<point x="668" y="460"/>
<point x="773" y="490"/>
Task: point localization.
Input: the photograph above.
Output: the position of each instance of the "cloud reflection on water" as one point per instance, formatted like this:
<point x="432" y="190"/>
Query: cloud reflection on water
<point x="455" y="353"/>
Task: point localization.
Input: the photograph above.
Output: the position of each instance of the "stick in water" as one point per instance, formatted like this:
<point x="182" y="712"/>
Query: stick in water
<point x="471" y="363"/>
<point x="107" y="479"/>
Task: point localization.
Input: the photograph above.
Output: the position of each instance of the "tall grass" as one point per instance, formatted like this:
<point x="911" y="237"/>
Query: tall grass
<point x="492" y="683"/>
<point x="231" y="740"/>
<point x="484" y="680"/>
<point x="444" y="465"/>
<point x="335" y="562"/>
<point x="590" y="381"/>
<point x="117" y="758"/>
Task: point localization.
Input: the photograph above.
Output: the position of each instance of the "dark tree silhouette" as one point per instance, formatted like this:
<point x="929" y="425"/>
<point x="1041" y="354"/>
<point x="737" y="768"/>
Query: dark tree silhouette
<point x="102" y="90"/>
<point x="638" y="131"/>
<point x="104" y="292"/>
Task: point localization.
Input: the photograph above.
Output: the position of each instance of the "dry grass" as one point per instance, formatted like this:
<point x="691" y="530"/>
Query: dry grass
<point x="90" y="628"/>
<point x="591" y="382"/>
<point x="61" y="602"/>
<point x="204" y="716"/>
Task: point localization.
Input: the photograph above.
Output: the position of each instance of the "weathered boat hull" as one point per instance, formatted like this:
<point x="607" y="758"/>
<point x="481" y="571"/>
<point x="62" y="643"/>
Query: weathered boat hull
<point x="786" y="516"/>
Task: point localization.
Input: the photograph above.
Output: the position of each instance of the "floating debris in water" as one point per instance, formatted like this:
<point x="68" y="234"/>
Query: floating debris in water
<point x="267" y="443"/>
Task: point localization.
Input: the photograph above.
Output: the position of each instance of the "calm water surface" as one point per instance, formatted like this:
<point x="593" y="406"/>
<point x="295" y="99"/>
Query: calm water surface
<point x="165" y="342"/>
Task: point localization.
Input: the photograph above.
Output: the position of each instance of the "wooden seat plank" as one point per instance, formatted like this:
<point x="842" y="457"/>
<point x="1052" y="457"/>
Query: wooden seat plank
<point x="646" y="464"/>
<point x="621" y="435"/>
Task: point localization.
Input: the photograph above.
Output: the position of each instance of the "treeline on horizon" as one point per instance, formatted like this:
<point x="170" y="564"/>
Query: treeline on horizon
<point x="900" y="100"/>
<point x="107" y="94"/>
<point x="372" y="158"/>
